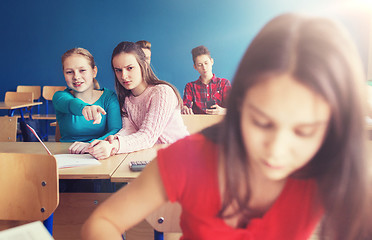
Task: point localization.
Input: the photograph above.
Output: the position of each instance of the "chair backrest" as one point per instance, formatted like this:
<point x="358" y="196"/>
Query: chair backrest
<point x="57" y="135"/>
<point x="48" y="91"/>
<point x="166" y="219"/>
<point x="8" y="129"/>
<point x="34" y="89"/>
<point x="19" y="97"/>
<point x="29" y="186"/>
<point x="197" y="122"/>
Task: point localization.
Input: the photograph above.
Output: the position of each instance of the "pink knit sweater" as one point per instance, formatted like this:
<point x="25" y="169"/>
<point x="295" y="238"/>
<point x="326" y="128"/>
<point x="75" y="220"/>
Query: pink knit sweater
<point x="153" y="117"/>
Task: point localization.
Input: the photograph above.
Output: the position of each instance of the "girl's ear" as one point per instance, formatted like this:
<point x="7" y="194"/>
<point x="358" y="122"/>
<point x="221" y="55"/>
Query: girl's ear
<point x="212" y="61"/>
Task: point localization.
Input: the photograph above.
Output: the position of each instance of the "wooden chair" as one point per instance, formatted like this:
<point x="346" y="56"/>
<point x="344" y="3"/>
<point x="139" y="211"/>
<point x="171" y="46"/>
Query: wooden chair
<point x="29" y="187"/>
<point x="34" y="89"/>
<point x="166" y="219"/>
<point x="19" y="97"/>
<point x="8" y="129"/>
<point x="57" y="132"/>
<point x="197" y="122"/>
<point x="48" y="92"/>
<point x="25" y="97"/>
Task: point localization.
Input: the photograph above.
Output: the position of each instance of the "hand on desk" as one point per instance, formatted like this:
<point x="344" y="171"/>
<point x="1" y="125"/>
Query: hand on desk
<point x="78" y="148"/>
<point x="187" y="110"/>
<point x="93" y="113"/>
<point x="102" y="149"/>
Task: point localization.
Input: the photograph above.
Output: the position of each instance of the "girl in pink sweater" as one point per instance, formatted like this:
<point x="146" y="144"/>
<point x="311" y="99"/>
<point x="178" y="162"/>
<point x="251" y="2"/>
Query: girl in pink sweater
<point x="150" y="108"/>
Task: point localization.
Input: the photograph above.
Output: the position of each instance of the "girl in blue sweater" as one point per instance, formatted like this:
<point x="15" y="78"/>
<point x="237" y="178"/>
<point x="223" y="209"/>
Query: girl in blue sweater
<point x="84" y="111"/>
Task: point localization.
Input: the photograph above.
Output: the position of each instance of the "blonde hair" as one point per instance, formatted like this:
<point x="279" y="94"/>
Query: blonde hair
<point x="86" y="54"/>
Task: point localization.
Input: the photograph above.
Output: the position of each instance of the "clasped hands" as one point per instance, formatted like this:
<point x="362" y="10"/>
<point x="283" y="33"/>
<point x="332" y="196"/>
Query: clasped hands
<point x="100" y="149"/>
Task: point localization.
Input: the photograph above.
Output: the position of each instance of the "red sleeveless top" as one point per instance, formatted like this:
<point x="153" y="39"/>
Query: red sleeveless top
<point x="189" y="172"/>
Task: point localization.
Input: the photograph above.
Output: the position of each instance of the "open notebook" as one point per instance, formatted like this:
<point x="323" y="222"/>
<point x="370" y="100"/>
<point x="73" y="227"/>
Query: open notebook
<point x="68" y="160"/>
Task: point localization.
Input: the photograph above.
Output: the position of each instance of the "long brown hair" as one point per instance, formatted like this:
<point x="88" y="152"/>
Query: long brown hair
<point x="318" y="53"/>
<point x="147" y="74"/>
<point x="87" y="55"/>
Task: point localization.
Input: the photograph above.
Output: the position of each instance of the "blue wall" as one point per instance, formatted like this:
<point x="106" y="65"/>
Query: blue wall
<point x="34" y="34"/>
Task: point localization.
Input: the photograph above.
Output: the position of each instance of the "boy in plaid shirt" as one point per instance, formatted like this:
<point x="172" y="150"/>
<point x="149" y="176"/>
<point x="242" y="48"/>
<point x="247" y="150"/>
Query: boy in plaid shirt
<point x="208" y="94"/>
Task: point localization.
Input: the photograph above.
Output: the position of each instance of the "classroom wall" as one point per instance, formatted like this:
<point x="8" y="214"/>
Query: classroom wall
<point x="34" y="34"/>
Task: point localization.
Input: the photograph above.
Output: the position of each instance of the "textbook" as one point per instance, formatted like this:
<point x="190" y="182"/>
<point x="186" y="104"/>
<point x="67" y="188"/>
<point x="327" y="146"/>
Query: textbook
<point x="68" y="160"/>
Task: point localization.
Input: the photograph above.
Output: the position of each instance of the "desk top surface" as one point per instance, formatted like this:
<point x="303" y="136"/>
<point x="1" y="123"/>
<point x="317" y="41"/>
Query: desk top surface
<point x="124" y="174"/>
<point x="115" y="167"/>
<point x="102" y="171"/>
<point x="16" y="105"/>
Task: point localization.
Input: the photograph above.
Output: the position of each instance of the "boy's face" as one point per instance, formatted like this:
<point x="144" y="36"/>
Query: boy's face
<point x="203" y="64"/>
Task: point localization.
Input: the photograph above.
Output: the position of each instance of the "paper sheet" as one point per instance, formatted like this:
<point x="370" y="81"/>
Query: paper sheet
<point x="75" y="160"/>
<point x="30" y="231"/>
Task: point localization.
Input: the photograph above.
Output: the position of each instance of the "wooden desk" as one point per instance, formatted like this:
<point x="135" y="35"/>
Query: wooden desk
<point x="124" y="174"/>
<point x="12" y="106"/>
<point x="102" y="171"/>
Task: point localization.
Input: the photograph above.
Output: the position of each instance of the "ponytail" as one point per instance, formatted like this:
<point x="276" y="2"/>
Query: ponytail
<point x="96" y="84"/>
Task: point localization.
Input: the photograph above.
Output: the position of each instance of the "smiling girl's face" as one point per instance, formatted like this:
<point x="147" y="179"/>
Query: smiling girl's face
<point x="79" y="73"/>
<point x="128" y="72"/>
<point x="283" y="124"/>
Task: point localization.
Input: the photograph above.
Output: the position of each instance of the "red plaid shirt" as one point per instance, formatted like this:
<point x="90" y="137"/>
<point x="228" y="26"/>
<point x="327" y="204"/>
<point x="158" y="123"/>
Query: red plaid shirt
<point x="199" y="93"/>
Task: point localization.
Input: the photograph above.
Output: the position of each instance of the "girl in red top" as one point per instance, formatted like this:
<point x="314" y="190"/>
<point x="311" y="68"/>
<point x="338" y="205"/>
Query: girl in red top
<point x="289" y="155"/>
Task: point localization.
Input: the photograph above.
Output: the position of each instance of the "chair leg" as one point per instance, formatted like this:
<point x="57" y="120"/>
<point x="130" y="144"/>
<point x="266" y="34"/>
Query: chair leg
<point x="48" y="223"/>
<point x="158" y="235"/>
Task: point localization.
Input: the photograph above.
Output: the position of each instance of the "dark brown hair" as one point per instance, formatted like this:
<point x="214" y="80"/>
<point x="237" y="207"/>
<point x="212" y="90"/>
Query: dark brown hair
<point x="147" y="74"/>
<point x="199" y="50"/>
<point x="318" y="53"/>
<point x="84" y="53"/>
